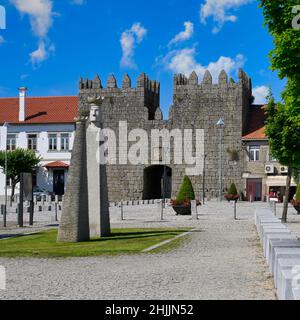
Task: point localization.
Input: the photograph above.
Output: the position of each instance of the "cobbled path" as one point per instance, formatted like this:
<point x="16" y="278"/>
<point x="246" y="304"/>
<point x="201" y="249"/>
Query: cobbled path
<point x="222" y="259"/>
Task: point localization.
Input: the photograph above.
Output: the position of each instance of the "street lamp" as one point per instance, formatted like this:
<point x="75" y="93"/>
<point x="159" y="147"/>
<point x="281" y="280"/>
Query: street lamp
<point x="5" y="173"/>
<point x="221" y="125"/>
<point x="165" y="150"/>
<point x="204" y="177"/>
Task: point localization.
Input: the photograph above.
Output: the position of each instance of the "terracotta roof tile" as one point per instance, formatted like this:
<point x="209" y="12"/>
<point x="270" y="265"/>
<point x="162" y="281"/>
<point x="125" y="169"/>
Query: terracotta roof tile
<point x="40" y="110"/>
<point x="255" y="124"/>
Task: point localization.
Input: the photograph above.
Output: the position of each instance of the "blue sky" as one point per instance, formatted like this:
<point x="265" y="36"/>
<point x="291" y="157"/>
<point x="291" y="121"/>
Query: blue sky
<point x="48" y="45"/>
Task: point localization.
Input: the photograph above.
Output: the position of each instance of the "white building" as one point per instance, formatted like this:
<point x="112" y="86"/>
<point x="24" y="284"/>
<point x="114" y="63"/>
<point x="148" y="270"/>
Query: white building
<point x="45" y="125"/>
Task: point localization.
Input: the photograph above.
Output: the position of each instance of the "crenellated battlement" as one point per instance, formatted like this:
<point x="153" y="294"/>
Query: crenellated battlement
<point x="143" y="82"/>
<point x="180" y="80"/>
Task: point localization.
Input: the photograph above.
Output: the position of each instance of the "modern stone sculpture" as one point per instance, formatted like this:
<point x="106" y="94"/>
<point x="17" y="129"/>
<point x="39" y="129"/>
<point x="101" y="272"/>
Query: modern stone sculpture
<point x="97" y="177"/>
<point x="74" y="224"/>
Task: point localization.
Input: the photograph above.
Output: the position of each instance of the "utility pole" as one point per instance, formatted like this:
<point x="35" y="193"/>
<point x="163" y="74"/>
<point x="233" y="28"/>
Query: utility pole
<point x="203" y="178"/>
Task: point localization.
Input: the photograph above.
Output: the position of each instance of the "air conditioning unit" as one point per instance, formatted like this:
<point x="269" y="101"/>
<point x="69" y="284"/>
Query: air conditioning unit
<point x="284" y="169"/>
<point x="269" y="169"/>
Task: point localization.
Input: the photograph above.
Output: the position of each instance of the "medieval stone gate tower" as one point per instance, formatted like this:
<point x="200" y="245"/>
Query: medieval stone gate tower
<point x="195" y="106"/>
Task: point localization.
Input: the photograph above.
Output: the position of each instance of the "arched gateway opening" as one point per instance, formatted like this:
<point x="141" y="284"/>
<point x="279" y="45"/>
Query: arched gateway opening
<point x="154" y="182"/>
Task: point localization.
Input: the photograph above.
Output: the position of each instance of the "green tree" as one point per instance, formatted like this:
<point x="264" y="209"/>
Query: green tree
<point x="283" y="123"/>
<point x="18" y="161"/>
<point x="186" y="191"/>
<point x="298" y="193"/>
<point x="284" y="139"/>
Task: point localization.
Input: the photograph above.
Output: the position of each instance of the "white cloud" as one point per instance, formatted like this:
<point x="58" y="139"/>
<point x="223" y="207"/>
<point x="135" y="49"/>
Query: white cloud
<point x="2" y="40"/>
<point x="218" y="10"/>
<point x="184" y="35"/>
<point x="129" y="39"/>
<point x="41" y="53"/>
<point x="184" y="61"/>
<point x="78" y="2"/>
<point x="260" y="94"/>
<point x="40" y="14"/>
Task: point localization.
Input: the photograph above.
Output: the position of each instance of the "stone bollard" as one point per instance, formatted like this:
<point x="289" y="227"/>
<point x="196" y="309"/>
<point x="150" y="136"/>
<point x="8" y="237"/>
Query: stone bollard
<point x="194" y="209"/>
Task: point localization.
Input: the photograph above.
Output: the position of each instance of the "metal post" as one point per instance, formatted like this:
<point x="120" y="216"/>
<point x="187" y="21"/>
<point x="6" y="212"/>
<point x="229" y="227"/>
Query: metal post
<point x="162" y="212"/>
<point x="31" y="212"/>
<point x="56" y="211"/>
<point x="122" y="211"/>
<point x="5" y="201"/>
<point x="164" y="185"/>
<point x="235" y="210"/>
<point x="21" y="203"/>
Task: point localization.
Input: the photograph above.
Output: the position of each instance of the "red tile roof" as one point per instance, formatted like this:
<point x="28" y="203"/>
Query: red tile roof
<point x="56" y="164"/>
<point x="39" y="110"/>
<point x="255" y="124"/>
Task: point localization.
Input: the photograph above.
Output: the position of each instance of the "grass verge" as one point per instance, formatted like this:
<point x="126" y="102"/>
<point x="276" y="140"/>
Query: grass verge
<point x="121" y="241"/>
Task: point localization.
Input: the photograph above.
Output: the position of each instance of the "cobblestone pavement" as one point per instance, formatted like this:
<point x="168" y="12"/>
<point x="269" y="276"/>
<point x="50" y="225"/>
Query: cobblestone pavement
<point x="221" y="260"/>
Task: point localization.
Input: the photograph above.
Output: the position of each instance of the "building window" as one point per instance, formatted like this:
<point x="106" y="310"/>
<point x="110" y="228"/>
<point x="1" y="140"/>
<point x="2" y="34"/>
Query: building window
<point x="32" y="142"/>
<point x="65" y="142"/>
<point x="11" y="142"/>
<point x="254" y="153"/>
<point x="52" y="142"/>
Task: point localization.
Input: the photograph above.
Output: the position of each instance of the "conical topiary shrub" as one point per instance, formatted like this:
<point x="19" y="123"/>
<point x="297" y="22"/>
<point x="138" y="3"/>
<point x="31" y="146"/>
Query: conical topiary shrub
<point x="232" y="194"/>
<point x="186" y="192"/>
<point x="182" y="204"/>
<point x="233" y="190"/>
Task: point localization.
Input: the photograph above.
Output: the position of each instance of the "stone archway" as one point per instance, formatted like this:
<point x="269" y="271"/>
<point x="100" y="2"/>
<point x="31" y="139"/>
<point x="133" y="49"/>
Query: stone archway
<point x="154" y="181"/>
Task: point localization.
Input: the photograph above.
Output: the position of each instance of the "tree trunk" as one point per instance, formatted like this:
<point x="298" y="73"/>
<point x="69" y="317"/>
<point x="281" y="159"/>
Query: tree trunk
<point x="287" y="195"/>
<point x="13" y="189"/>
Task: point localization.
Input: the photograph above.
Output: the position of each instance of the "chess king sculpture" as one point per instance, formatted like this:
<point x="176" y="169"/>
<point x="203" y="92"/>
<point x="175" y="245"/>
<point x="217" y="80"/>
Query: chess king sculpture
<point x="85" y="212"/>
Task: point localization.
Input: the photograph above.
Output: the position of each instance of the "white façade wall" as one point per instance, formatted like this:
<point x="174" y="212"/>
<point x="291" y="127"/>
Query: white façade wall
<point x="44" y="177"/>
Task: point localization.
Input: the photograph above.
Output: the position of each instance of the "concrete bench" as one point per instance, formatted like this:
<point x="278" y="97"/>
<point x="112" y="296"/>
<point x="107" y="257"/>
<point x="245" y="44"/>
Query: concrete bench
<point x="262" y="212"/>
<point x="282" y="253"/>
<point x="270" y="226"/>
<point x="273" y="231"/>
<point x="275" y="236"/>
<point x="288" y="281"/>
<point x="284" y="264"/>
<point x="265" y="219"/>
<point x="296" y="294"/>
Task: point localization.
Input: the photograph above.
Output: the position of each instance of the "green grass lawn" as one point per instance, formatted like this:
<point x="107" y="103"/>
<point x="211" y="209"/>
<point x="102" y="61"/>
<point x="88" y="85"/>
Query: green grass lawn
<point x="121" y="241"/>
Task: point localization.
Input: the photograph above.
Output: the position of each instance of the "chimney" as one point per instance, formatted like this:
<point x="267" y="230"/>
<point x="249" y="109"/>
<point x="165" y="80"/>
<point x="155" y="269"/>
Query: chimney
<point x="22" y="104"/>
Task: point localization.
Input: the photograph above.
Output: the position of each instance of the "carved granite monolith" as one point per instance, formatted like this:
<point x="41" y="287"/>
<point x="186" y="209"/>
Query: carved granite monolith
<point x="74" y="224"/>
